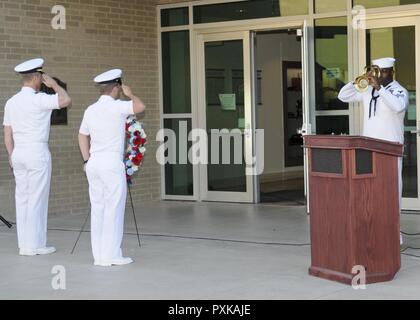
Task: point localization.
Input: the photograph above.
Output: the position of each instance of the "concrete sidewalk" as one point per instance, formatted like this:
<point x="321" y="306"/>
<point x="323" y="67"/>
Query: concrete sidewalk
<point x="195" y="251"/>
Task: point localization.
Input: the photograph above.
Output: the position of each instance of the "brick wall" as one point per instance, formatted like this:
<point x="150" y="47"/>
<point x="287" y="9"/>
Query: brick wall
<point x="100" y="34"/>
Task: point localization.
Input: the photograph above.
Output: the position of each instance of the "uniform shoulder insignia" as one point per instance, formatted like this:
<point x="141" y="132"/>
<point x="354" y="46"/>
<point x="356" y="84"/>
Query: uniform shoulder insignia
<point x="396" y="91"/>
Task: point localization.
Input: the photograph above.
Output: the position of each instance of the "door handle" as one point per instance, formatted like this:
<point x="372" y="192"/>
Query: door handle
<point x="415" y="131"/>
<point x="304" y="130"/>
<point x="247" y="130"/>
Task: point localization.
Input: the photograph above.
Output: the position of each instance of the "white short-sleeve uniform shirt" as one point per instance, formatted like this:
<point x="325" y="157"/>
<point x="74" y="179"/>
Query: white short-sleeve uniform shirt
<point x="29" y="114"/>
<point x="385" y="118"/>
<point x="104" y="122"/>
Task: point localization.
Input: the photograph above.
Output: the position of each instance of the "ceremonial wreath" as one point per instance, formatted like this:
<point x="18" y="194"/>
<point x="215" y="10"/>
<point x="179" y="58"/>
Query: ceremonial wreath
<point x="136" y="141"/>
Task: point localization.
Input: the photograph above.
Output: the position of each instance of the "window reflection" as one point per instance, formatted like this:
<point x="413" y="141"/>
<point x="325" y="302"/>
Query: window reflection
<point x="251" y="9"/>
<point x="174" y="17"/>
<point x="322" y="6"/>
<point x="330" y="62"/>
<point x="176" y="72"/>
<point x="332" y="125"/>
<point x="382" y="3"/>
<point x="178" y="174"/>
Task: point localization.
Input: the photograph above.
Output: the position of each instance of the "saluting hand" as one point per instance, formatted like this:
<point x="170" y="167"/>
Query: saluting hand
<point x="127" y="91"/>
<point x="48" y="81"/>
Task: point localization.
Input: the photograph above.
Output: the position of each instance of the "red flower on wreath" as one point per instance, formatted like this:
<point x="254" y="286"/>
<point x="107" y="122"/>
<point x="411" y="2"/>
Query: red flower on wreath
<point x="137" y="141"/>
<point x="137" y="159"/>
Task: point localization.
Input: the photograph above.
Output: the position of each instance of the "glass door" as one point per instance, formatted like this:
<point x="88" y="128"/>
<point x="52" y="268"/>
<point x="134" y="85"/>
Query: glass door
<point x="400" y="38"/>
<point x="225" y="111"/>
<point x="306" y="118"/>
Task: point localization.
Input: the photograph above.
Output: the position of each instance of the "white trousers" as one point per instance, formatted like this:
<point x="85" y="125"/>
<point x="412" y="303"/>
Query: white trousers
<point x="400" y="184"/>
<point x="400" y="187"/>
<point x="108" y="193"/>
<point x="32" y="171"/>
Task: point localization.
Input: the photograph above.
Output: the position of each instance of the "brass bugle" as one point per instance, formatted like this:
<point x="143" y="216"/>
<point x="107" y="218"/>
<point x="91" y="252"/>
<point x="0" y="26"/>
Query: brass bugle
<point x="362" y="82"/>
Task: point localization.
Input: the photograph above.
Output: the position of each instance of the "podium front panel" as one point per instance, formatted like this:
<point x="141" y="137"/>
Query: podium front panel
<point x="327" y="161"/>
<point x="329" y="211"/>
<point x="363" y="161"/>
<point x="354" y="213"/>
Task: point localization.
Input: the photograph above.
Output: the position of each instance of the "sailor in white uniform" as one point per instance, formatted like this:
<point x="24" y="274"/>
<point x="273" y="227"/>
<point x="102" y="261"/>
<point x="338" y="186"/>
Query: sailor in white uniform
<point x="102" y="144"/>
<point x="26" y="132"/>
<point x="385" y="103"/>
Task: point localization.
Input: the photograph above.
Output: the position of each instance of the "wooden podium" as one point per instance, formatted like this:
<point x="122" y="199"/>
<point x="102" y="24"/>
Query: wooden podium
<point x="354" y="207"/>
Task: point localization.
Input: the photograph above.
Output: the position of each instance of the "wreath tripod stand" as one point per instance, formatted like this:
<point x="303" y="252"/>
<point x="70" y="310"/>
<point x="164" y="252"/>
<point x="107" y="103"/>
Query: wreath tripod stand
<point x="7" y="223"/>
